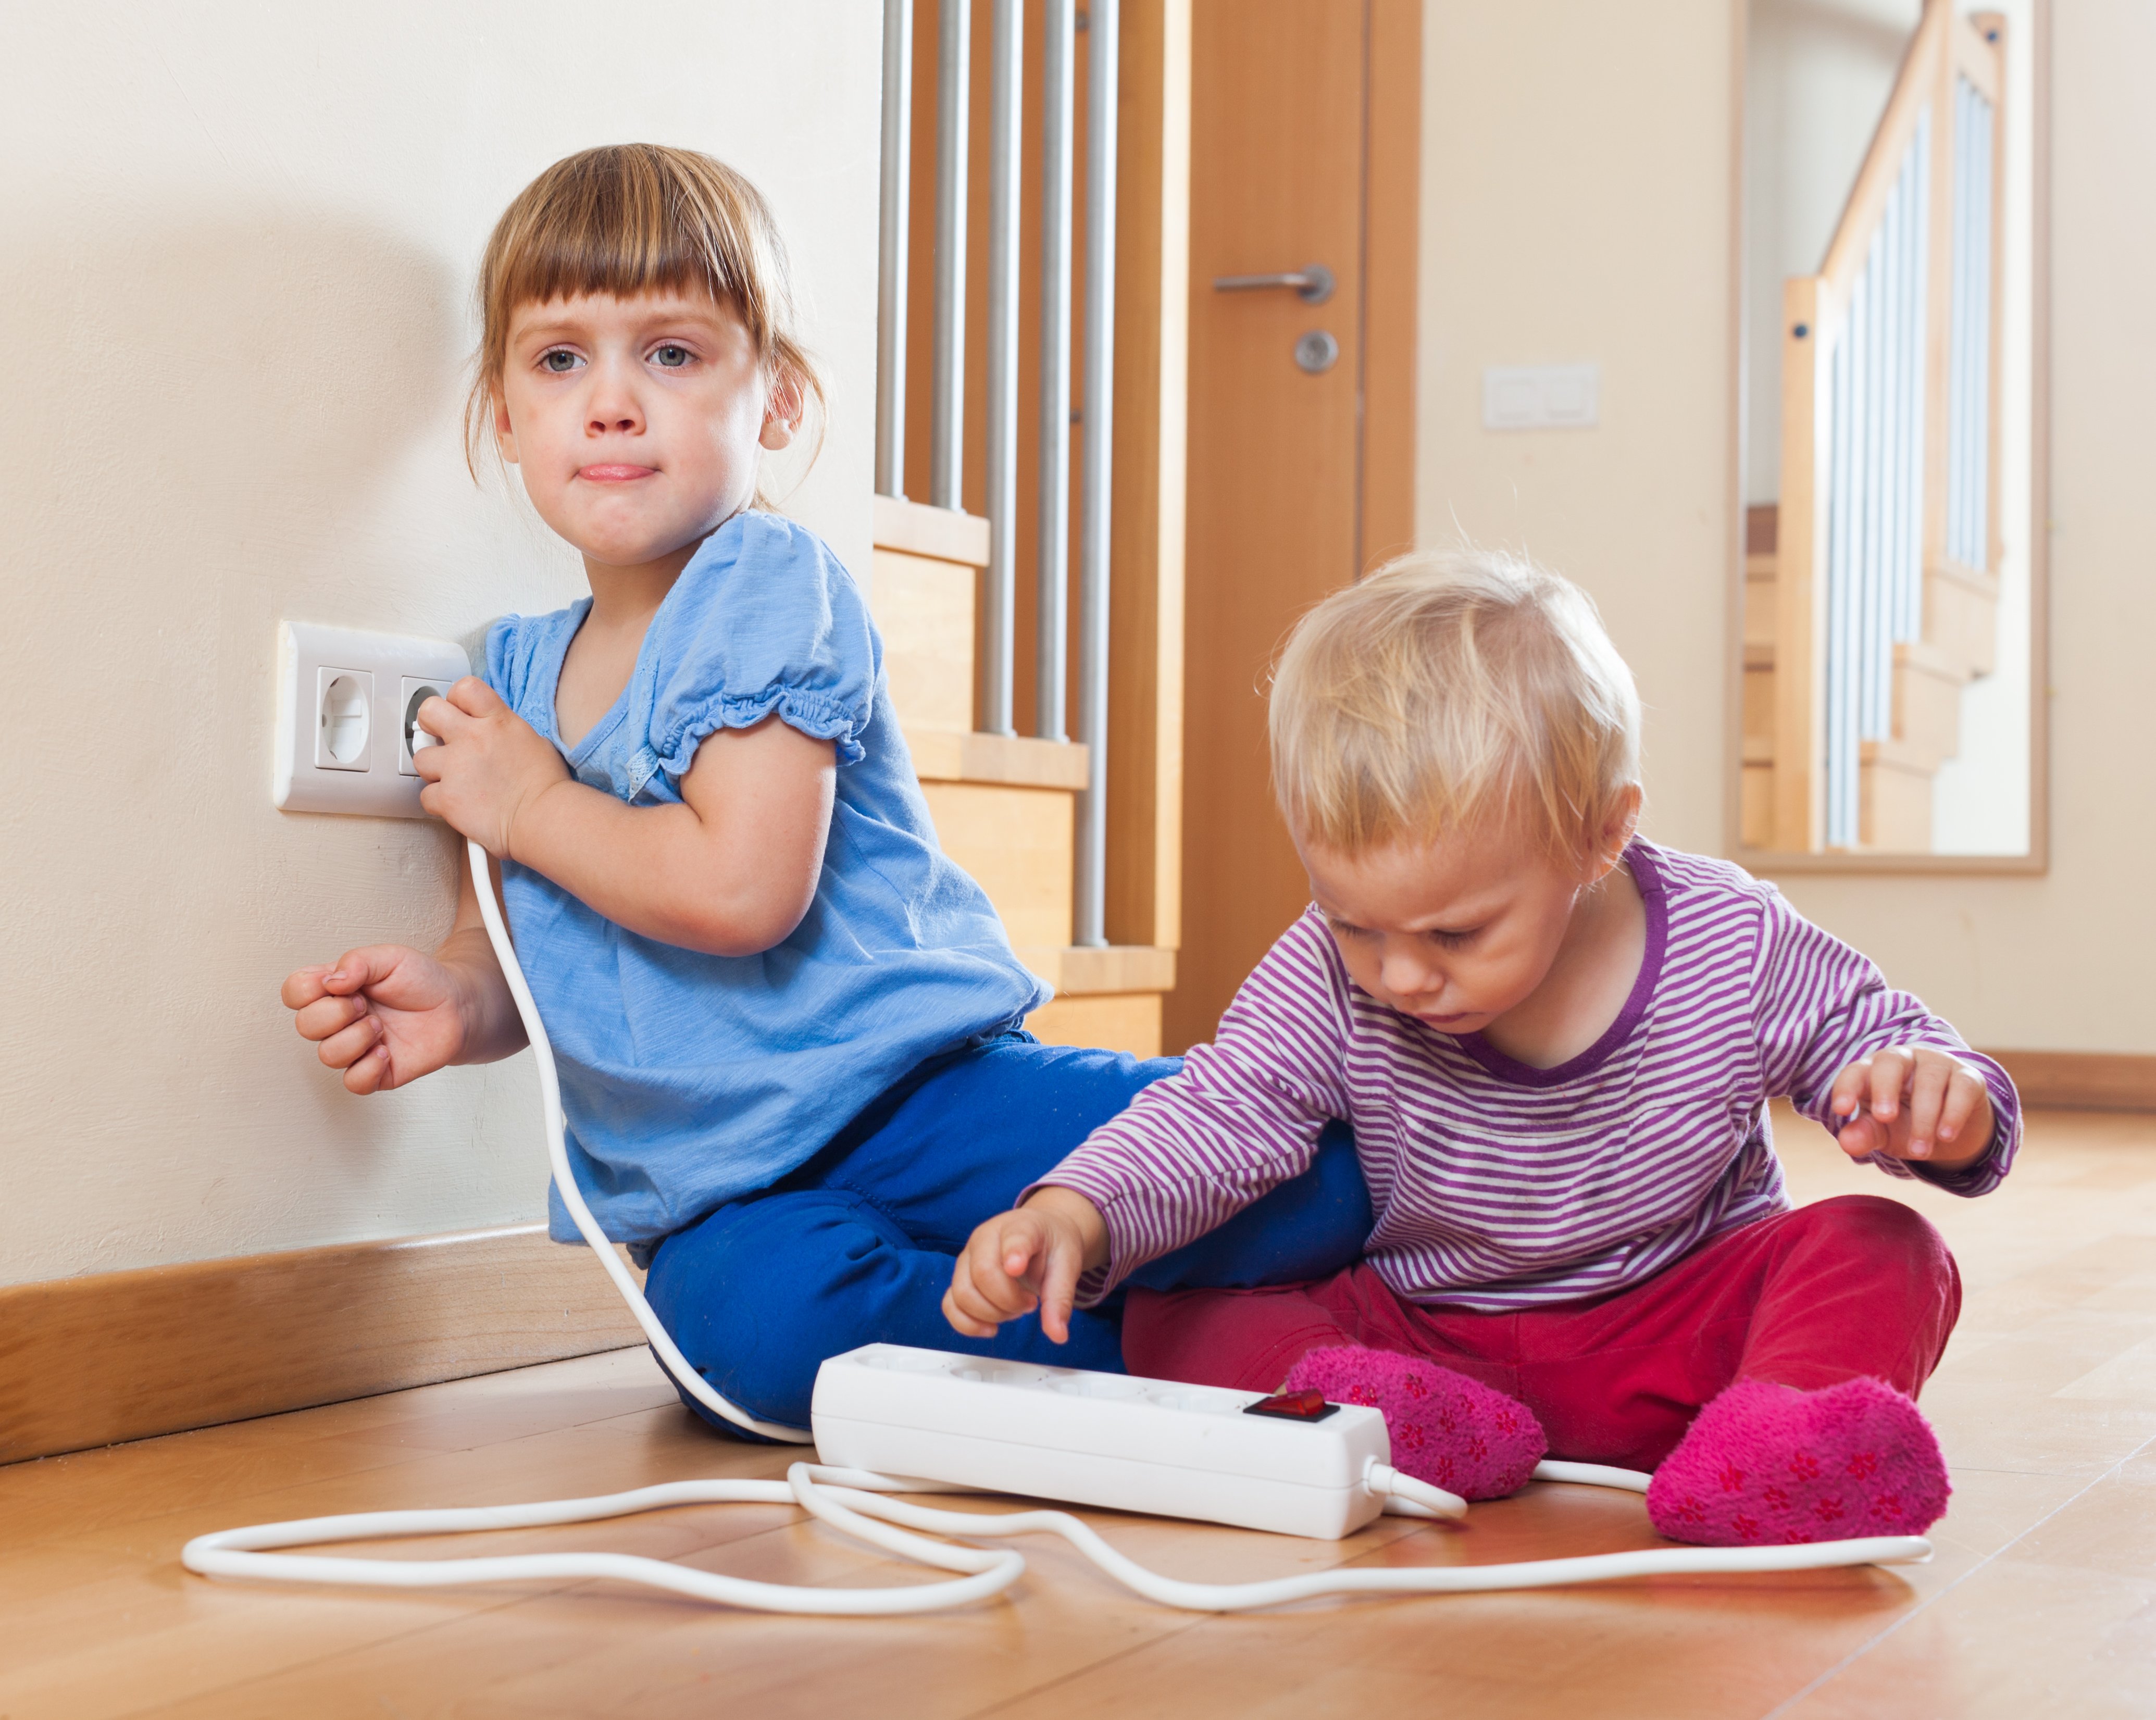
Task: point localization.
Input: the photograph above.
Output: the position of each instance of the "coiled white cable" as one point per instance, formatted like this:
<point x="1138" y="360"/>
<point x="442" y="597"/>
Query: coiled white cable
<point x="854" y="1502"/>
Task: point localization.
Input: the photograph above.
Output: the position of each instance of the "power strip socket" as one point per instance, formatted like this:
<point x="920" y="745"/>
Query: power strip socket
<point x="1110" y="1439"/>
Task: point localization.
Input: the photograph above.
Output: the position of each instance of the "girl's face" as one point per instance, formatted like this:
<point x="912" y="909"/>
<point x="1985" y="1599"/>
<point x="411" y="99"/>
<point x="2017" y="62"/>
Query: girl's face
<point x="1456" y="933"/>
<point x="637" y="422"/>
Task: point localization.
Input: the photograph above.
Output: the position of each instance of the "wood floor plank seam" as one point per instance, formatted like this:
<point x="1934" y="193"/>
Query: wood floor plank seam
<point x="1004" y="1705"/>
<point x="301" y="1665"/>
<point x="1984" y="1563"/>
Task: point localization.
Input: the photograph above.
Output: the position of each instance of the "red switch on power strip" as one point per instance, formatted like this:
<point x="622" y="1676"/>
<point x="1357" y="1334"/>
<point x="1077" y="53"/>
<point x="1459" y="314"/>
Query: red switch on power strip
<point x="1293" y="1406"/>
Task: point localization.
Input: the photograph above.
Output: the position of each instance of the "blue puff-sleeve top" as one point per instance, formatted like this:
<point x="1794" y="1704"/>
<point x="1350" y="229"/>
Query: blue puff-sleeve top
<point x="690" y="1080"/>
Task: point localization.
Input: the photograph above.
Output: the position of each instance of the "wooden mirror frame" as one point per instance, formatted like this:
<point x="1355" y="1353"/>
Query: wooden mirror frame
<point x="2036" y="861"/>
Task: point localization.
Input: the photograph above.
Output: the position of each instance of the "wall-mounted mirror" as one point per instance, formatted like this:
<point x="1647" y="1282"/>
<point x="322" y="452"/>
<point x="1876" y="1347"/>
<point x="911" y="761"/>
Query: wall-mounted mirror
<point x="1891" y="470"/>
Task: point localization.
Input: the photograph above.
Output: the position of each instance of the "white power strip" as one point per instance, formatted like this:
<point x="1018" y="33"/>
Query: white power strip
<point x="1100" y="1439"/>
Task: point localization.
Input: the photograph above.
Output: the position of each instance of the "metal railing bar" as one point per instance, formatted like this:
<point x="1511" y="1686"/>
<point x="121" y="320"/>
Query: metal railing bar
<point x="1051" y="643"/>
<point x="1006" y="143"/>
<point x="946" y="441"/>
<point x="892" y="216"/>
<point x="1098" y="471"/>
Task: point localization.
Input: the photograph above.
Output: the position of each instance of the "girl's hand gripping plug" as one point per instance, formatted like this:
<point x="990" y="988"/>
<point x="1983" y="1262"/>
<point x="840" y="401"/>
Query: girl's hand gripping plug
<point x="490" y="768"/>
<point x="1031" y="1258"/>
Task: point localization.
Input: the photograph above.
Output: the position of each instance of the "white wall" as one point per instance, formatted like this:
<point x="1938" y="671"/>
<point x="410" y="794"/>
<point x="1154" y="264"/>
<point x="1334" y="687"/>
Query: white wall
<point x="234" y="300"/>
<point x="1577" y="167"/>
<point x="1576" y="206"/>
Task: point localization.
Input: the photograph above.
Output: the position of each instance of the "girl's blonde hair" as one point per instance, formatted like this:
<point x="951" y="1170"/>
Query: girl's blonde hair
<point x="1448" y="690"/>
<point x="637" y="218"/>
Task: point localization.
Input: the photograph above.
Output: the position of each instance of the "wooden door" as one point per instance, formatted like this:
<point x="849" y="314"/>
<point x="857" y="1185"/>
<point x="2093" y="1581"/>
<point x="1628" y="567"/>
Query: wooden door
<point x="1303" y="138"/>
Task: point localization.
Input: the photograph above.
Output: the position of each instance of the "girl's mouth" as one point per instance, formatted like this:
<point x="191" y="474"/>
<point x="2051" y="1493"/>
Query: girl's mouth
<point x="614" y="473"/>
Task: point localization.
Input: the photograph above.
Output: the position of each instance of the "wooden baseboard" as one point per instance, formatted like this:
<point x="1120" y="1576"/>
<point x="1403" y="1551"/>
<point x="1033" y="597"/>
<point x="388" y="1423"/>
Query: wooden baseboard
<point x="2083" y="1081"/>
<point x="117" y="1356"/>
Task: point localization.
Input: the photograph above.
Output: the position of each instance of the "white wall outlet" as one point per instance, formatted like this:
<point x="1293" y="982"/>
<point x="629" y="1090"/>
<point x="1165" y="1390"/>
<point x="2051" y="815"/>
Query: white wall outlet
<point x="1542" y="397"/>
<point x="343" y="740"/>
<point x="344" y="717"/>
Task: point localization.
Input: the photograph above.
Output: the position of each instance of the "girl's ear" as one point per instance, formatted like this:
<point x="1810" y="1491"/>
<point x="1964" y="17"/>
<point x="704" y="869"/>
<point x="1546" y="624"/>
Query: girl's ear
<point x="1616" y="833"/>
<point x="505" y="437"/>
<point x="783" y="410"/>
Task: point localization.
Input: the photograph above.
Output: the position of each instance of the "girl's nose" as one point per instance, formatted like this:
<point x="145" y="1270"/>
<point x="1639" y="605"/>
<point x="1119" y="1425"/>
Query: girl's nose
<point x="613" y="405"/>
<point x="1405" y="973"/>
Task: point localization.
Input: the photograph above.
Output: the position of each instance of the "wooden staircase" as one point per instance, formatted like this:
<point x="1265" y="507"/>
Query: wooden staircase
<point x="1004" y="804"/>
<point x="1960" y="642"/>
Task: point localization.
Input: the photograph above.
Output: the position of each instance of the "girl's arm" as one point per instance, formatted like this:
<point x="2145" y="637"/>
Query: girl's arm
<point x="385" y="1014"/>
<point x="1893" y="1083"/>
<point x="1242" y="1115"/>
<point x="731" y="870"/>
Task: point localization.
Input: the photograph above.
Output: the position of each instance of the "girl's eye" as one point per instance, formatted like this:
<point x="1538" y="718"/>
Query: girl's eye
<point x="560" y="361"/>
<point x="1454" y="940"/>
<point x="669" y="357"/>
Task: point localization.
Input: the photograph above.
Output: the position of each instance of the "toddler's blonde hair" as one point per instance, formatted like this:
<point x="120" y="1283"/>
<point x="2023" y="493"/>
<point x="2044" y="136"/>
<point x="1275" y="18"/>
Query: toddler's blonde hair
<point x="627" y="218"/>
<point x="1453" y="690"/>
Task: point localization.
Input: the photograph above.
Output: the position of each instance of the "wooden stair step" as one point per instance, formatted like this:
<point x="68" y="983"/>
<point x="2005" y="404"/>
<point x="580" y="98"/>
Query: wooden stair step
<point x="924" y="608"/>
<point x="941" y="534"/>
<point x="1893" y="800"/>
<point x="1016" y="842"/>
<point x="1081" y="970"/>
<point x="1018" y="761"/>
<point x="1961" y="616"/>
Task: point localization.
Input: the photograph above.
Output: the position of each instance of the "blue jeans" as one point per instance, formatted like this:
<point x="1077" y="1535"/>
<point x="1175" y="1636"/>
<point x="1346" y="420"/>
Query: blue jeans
<point x="856" y="1246"/>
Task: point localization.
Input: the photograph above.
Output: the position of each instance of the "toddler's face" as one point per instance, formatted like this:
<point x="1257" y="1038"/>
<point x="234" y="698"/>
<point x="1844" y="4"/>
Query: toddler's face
<point x="636" y="421"/>
<point x="1456" y="933"/>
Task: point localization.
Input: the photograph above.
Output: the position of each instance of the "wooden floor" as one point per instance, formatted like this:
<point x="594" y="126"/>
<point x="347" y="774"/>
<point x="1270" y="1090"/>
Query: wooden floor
<point x="2041" y="1601"/>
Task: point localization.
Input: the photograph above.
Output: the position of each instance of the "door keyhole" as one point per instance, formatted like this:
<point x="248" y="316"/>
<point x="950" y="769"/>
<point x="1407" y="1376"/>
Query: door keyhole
<point x="1317" y="351"/>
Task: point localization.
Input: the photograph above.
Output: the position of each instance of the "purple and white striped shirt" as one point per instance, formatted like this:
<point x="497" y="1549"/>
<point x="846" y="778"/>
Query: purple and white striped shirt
<point x="1497" y="1185"/>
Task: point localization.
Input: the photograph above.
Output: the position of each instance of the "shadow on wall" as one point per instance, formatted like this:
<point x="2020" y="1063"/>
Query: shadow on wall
<point x="206" y="421"/>
<point x="233" y="380"/>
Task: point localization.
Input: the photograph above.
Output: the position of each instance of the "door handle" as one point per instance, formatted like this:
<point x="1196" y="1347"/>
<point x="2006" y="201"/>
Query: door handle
<point x="1312" y="283"/>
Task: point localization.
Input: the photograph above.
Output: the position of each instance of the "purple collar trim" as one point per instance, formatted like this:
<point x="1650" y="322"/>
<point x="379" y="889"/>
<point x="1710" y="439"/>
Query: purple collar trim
<point x="1639" y="857"/>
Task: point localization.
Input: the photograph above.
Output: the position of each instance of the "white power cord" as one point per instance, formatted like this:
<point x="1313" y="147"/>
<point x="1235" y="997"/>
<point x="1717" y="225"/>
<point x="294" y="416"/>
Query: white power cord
<point x="855" y="1502"/>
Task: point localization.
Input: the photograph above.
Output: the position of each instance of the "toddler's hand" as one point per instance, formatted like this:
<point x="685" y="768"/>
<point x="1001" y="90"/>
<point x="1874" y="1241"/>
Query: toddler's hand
<point x="490" y="766"/>
<point x="1912" y="1101"/>
<point x="1028" y="1259"/>
<point x="385" y="1015"/>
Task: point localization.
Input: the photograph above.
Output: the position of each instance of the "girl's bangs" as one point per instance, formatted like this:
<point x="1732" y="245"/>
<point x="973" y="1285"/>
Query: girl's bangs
<point x="617" y="233"/>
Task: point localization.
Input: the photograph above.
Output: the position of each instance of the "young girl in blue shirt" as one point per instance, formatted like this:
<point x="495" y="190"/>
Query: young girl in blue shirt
<point x="788" y="1027"/>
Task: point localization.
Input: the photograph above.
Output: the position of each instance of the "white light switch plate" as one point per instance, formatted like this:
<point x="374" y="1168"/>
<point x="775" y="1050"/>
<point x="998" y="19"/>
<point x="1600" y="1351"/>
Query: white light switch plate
<point x="1542" y="397"/>
<point x="341" y="700"/>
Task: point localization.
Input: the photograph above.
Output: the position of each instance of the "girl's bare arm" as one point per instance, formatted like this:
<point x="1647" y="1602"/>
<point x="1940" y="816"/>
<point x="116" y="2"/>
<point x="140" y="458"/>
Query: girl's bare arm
<point x="731" y="870"/>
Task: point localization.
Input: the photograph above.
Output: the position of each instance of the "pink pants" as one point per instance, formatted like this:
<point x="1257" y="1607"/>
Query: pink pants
<point x="1856" y="1285"/>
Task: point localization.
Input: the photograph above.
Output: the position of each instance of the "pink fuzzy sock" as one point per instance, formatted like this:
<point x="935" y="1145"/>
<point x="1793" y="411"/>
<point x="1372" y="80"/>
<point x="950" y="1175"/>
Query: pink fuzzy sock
<point x="1764" y="1463"/>
<point x="1446" y="1429"/>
